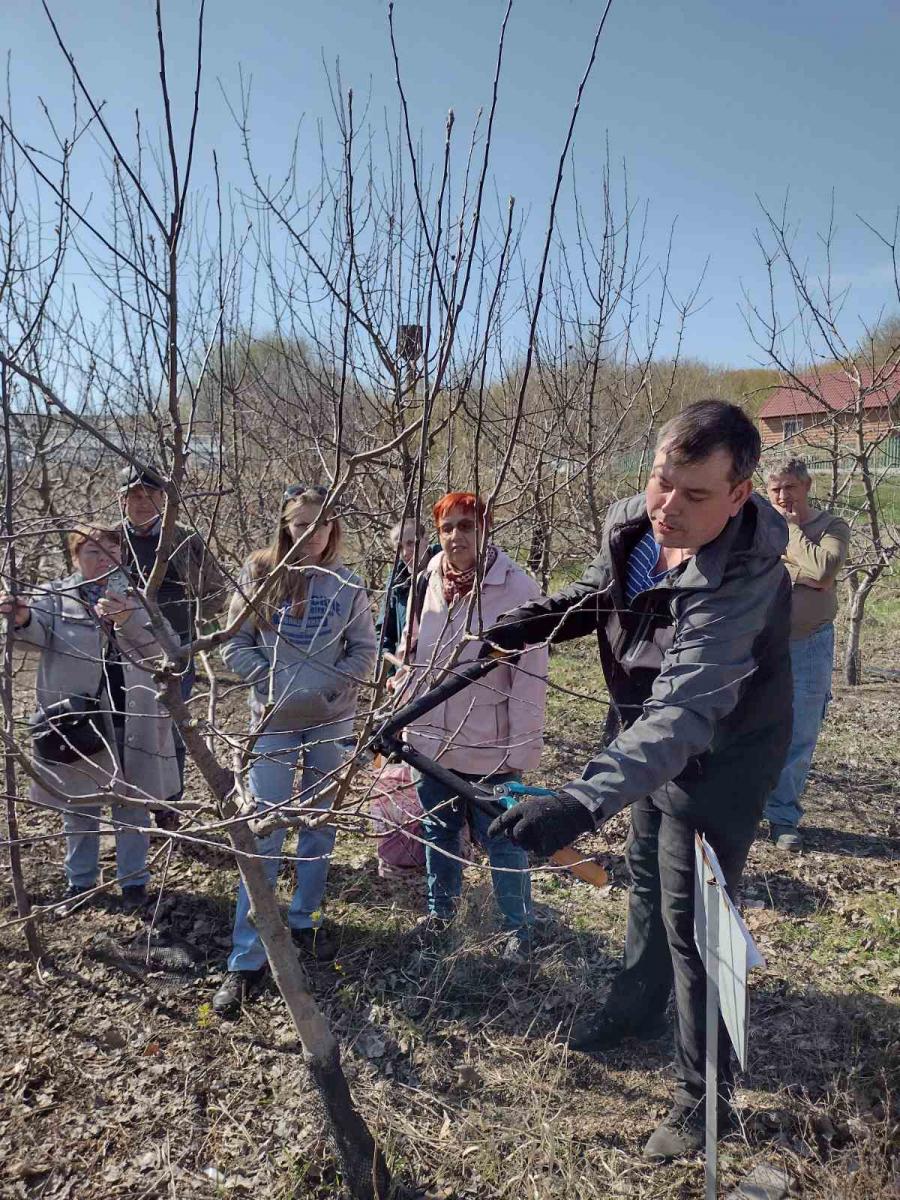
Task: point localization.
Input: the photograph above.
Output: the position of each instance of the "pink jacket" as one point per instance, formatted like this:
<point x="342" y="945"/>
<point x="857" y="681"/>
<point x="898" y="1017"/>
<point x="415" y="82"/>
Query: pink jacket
<point x="494" y="726"/>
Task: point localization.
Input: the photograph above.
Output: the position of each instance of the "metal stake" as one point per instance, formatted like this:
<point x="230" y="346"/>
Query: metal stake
<point x="712" y="1037"/>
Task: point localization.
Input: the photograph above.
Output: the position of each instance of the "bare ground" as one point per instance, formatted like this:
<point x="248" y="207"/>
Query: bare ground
<point x="119" y="1083"/>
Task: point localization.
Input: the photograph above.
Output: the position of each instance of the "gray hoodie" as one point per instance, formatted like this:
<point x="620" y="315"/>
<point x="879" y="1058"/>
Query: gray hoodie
<point x="308" y="669"/>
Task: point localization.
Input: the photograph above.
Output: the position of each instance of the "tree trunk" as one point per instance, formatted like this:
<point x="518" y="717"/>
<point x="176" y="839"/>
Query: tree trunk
<point x="362" y="1164"/>
<point x="853" y="653"/>
<point x="538" y="561"/>
<point x="537" y="550"/>
<point x="20" y="893"/>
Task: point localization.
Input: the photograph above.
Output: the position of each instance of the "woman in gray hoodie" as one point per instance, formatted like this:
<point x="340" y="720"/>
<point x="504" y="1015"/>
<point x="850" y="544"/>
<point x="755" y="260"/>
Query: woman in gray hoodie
<point x="304" y="650"/>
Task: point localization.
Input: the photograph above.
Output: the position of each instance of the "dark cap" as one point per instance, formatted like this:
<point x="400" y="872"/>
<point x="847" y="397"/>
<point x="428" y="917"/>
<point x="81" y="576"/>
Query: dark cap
<point x="149" y="476"/>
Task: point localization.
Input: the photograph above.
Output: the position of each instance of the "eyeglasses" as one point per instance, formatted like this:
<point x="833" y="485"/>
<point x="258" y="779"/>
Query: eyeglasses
<point x="464" y="525"/>
<point x="299" y="489"/>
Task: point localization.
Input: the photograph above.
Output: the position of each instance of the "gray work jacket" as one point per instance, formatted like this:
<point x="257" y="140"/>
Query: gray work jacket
<point x="71" y="643"/>
<point x="698" y="666"/>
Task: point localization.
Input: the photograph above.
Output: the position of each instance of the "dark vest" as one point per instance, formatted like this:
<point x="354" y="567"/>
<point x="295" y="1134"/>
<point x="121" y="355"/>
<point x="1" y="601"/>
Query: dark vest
<point x="139" y="553"/>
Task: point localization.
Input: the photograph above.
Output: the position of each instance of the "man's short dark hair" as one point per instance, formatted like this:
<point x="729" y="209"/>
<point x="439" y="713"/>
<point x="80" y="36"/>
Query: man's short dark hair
<point x="710" y="425"/>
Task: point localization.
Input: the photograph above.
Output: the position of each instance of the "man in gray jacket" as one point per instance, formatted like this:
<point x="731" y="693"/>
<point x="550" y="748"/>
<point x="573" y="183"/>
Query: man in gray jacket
<point x="690" y="603"/>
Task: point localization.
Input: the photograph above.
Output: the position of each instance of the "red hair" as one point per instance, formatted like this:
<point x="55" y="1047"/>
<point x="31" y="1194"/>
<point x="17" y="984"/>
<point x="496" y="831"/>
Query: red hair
<point x="467" y="501"/>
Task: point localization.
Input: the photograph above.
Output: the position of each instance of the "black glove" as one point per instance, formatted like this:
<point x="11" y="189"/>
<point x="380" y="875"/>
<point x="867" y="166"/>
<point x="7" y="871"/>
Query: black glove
<point x="544" y="824"/>
<point x="509" y="636"/>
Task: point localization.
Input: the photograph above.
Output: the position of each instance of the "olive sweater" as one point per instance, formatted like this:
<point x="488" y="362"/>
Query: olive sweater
<point x="816" y="551"/>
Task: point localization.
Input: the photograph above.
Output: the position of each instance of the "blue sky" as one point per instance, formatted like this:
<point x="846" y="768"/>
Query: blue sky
<point x="708" y="103"/>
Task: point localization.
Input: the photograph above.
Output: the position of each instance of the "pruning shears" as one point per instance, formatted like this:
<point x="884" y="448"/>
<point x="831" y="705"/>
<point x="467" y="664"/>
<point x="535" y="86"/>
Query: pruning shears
<point x="491" y="801"/>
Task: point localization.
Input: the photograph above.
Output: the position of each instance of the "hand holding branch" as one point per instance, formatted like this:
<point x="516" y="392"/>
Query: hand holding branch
<point x="116" y="608"/>
<point x="16" y="608"/>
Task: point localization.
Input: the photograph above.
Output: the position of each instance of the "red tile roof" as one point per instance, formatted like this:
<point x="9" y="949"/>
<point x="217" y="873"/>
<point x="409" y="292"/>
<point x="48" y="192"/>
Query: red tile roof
<point x="832" y="391"/>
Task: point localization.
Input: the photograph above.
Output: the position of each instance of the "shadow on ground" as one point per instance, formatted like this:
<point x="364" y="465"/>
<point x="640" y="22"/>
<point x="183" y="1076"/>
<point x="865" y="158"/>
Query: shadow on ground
<point x="817" y="1044"/>
<point x="785" y="892"/>
<point x="855" y="845"/>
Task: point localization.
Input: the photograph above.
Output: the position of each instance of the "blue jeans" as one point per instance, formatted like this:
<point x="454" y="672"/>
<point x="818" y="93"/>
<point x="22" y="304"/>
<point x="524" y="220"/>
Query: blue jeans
<point x="272" y="782"/>
<point x="82" y="829"/>
<point x="812" y="662"/>
<point x="443" y="875"/>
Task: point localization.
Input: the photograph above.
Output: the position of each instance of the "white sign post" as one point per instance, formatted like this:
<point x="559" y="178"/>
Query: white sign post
<point x="728" y="953"/>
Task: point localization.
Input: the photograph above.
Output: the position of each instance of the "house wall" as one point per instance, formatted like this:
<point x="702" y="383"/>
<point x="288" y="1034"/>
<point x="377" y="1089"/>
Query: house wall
<point x="817" y="433"/>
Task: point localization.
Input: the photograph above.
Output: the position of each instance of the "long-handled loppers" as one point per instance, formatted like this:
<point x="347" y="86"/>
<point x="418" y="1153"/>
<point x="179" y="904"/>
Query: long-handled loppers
<point x="491" y="801"/>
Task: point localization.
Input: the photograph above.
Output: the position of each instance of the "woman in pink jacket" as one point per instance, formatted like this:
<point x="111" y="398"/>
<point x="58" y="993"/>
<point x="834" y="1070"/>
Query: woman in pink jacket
<point x="492" y="731"/>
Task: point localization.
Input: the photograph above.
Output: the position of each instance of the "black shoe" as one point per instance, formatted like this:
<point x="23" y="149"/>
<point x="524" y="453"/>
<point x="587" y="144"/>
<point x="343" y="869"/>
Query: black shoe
<point x="134" y="898"/>
<point x="167" y="819"/>
<point x="238" y="987"/>
<point x="601" y="1031"/>
<point x="73" y="899"/>
<point x="318" y="943"/>
<point x="683" y="1132"/>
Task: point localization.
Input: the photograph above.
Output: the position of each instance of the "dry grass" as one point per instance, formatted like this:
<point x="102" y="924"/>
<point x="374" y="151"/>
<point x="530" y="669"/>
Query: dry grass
<point x="118" y="1086"/>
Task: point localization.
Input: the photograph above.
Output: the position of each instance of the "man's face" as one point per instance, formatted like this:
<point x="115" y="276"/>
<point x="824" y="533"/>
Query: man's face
<point x="143" y="504"/>
<point x="409" y="544"/>
<point x="689" y="504"/>
<point x="788" y="493"/>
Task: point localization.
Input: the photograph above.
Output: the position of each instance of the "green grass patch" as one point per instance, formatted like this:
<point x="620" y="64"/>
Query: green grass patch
<point x="884" y="607"/>
<point x="865" y="932"/>
<point x="853" y="502"/>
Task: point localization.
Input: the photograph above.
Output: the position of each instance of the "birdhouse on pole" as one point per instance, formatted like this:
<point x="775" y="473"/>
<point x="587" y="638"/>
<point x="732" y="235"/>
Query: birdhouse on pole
<point x="409" y="343"/>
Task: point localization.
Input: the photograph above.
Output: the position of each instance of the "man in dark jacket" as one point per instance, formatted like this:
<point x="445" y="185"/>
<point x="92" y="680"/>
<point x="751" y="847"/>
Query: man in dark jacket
<point x="690" y="603"/>
<point x="193" y="586"/>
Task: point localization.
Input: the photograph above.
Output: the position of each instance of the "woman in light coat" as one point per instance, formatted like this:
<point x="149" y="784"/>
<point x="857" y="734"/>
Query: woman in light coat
<point x="97" y="641"/>
<point x="304" y="652"/>
<point x="492" y="731"/>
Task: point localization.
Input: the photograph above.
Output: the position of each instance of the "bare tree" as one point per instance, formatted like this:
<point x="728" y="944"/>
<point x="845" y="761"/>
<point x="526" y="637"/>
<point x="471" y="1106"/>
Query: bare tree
<point x="846" y="428"/>
<point x="134" y="367"/>
<point x="262" y="346"/>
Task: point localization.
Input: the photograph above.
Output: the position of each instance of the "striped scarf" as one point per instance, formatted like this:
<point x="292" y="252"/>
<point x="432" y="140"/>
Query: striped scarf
<point x="458" y="584"/>
<point x="91" y="591"/>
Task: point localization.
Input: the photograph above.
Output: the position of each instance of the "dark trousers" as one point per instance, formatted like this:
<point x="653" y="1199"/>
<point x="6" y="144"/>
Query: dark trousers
<point x="659" y="941"/>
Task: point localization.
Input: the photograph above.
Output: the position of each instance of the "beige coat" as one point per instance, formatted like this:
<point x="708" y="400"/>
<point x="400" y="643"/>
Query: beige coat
<point x="70" y="642"/>
<point x="490" y="727"/>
